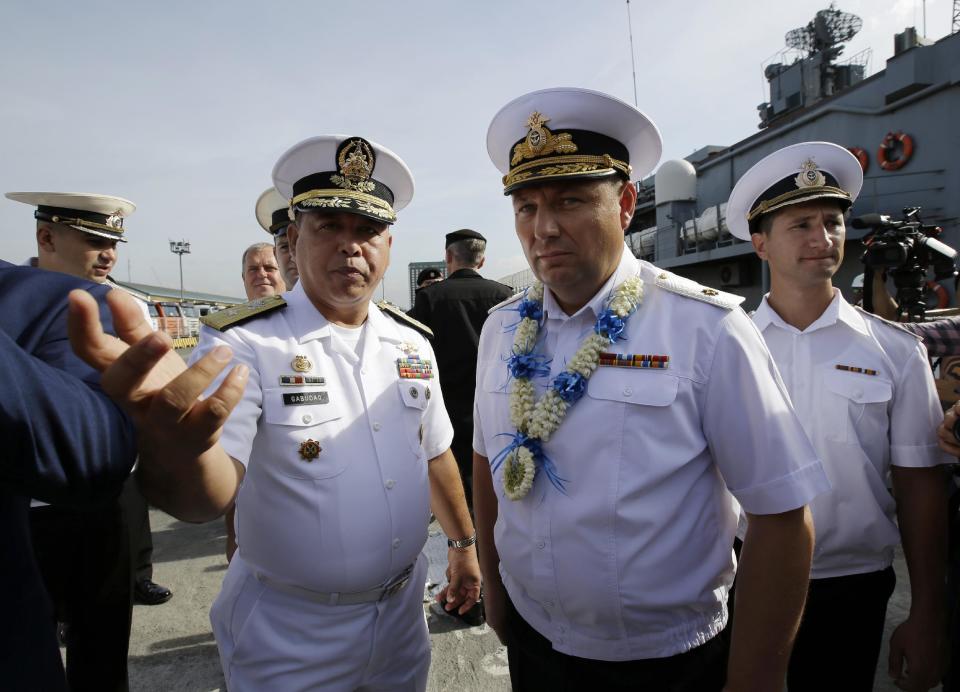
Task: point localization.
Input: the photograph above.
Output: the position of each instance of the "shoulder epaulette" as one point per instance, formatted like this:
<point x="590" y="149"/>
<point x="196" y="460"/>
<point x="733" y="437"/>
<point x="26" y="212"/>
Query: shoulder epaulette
<point x="514" y="297"/>
<point x="691" y="289"/>
<point x="890" y="323"/>
<point x="403" y="318"/>
<point x="222" y="320"/>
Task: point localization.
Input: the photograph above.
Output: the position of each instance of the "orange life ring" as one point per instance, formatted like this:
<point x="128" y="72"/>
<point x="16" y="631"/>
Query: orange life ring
<point x="889" y="145"/>
<point x="862" y="156"/>
<point x="935" y="290"/>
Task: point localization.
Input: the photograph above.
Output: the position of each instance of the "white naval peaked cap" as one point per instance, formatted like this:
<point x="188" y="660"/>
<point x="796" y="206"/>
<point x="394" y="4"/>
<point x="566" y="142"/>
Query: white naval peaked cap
<point x="99" y="215"/>
<point x="273" y="212"/>
<point x="568" y="132"/>
<point x="344" y="173"/>
<point x="792" y="175"/>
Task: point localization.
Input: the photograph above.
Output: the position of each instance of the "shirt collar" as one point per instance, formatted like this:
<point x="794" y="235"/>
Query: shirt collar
<point x="629" y="266"/>
<point x="839" y="310"/>
<point x="309" y="323"/>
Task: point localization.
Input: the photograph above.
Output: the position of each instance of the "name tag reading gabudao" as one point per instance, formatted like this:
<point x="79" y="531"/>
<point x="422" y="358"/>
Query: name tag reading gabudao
<point x="303" y="398"/>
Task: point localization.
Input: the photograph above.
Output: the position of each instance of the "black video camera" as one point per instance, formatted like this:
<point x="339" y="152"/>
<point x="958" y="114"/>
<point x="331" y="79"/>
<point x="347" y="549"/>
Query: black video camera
<point x="904" y="249"/>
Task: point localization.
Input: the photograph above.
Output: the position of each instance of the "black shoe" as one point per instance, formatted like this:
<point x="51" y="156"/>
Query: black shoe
<point x="473" y="617"/>
<point x="147" y="592"/>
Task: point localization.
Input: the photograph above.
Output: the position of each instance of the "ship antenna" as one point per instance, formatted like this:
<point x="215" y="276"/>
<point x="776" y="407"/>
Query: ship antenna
<point x="633" y="59"/>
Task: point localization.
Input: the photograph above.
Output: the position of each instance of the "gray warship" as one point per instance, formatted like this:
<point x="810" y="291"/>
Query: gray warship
<point x="902" y="123"/>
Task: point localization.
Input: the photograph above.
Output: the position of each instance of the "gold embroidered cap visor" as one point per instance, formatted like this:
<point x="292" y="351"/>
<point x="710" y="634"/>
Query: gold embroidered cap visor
<point x="273" y="212"/>
<point x="343" y="173"/>
<point x="99" y="215"/>
<point x="567" y="133"/>
<point x="795" y="174"/>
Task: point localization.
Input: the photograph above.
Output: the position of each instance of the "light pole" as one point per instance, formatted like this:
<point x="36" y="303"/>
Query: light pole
<point x="180" y="248"/>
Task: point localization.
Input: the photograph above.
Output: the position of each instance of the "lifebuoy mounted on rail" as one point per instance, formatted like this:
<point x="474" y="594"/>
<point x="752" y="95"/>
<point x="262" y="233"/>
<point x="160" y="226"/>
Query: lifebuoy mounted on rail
<point x="886" y="154"/>
<point x="862" y="156"/>
<point x="936" y="294"/>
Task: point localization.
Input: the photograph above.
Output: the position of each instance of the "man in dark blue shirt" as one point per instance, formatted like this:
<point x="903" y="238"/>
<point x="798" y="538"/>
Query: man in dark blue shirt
<point x="65" y="442"/>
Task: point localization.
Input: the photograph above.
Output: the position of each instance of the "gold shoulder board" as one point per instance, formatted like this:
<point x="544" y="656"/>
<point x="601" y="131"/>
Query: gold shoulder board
<point x="511" y="299"/>
<point x="691" y="289"/>
<point x="222" y="320"/>
<point x="403" y="318"/>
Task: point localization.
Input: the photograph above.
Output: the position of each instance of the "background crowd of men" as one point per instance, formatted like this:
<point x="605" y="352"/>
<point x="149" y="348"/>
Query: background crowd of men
<point x="593" y="447"/>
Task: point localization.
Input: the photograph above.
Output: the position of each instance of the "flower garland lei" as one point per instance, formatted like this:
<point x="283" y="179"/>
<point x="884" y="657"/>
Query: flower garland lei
<point x="535" y="421"/>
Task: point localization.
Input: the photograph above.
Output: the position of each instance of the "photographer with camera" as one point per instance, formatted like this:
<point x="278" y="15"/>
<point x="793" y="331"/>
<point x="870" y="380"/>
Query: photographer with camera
<point x="942" y="341"/>
<point x="864" y="393"/>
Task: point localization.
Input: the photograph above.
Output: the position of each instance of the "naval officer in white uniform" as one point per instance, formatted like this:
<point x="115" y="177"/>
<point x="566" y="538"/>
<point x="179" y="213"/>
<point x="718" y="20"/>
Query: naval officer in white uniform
<point x="863" y="390"/>
<point x="339" y="436"/>
<point x="620" y="409"/>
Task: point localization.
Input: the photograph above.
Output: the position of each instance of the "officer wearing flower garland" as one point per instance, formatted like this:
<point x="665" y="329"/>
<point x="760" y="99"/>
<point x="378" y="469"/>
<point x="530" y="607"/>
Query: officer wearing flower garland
<point x="619" y="411"/>
<point x="863" y="389"/>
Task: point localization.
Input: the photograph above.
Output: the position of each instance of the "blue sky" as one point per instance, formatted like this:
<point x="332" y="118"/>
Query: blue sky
<point x="183" y="107"/>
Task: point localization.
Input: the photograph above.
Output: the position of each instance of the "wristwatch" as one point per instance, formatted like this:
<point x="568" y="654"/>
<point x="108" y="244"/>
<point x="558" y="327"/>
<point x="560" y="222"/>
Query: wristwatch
<point x="462" y="543"/>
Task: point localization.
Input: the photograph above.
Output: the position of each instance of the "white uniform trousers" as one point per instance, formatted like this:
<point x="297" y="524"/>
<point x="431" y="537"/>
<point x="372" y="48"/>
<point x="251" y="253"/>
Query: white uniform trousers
<point x="272" y="640"/>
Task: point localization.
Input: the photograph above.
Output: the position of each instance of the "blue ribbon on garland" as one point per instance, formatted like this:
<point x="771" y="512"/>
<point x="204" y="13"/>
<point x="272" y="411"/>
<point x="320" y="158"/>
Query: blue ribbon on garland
<point x="570" y="386"/>
<point x="526" y="308"/>
<point x="528" y="365"/>
<point x="610" y="325"/>
<point x="540" y="460"/>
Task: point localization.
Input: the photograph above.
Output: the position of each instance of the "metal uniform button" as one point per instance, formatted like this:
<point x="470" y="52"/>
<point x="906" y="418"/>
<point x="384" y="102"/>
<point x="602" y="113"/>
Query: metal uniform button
<point x="376" y="426"/>
<point x="307" y="418"/>
<point x="541" y="545"/>
<point x="627" y="391"/>
<point x="363" y="371"/>
<point x="426" y="393"/>
<point x="396" y="542"/>
<point x="414" y="393"/>
<point x="549" y="604"/>
<point x="390" y="483"/>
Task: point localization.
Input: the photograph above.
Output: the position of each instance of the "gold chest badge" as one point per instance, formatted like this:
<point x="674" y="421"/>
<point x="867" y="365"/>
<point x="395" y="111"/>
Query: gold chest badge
<point x="301" y="364"/>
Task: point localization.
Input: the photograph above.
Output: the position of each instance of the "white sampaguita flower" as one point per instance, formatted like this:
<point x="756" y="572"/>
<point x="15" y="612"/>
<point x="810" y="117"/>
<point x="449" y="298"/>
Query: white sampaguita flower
<point x="538" y="420"/>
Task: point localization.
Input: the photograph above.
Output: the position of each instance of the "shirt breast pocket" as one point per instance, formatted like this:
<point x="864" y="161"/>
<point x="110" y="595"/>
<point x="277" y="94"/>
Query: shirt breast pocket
<point x="290" y="428"/>
<point x="416" y="395"/>
<point x="636" y="405"/>
<point x="855" y="406"/>
<point x="655" y="389"/>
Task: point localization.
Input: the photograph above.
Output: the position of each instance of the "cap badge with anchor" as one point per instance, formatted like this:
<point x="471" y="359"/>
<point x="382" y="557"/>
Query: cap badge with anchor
<point x="809" y="175"/>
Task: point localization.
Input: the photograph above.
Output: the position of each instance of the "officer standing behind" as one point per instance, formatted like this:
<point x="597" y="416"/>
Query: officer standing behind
<point x="455" y="310"/>
<point x="66" y="443"/>
<point x="619" y="411"/>
<point x="273" y="215"/>
<point x="84" y="555"/>
<point x="428" y="277"/>
<point x="261" y="272"/>
<point x="864" y="392"/>
<point x="341" y="442"/>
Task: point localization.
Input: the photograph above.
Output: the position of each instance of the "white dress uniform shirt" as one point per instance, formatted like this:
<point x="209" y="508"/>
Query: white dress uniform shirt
<point x="357" y="515"/>
<point x="635" y="561"/>
<point x="859" y="424"/>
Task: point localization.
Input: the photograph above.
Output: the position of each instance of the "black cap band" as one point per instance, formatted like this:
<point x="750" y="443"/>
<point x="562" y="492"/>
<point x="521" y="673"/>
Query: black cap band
<point x="279" y="219"/>
<point x="789" y="191"/>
